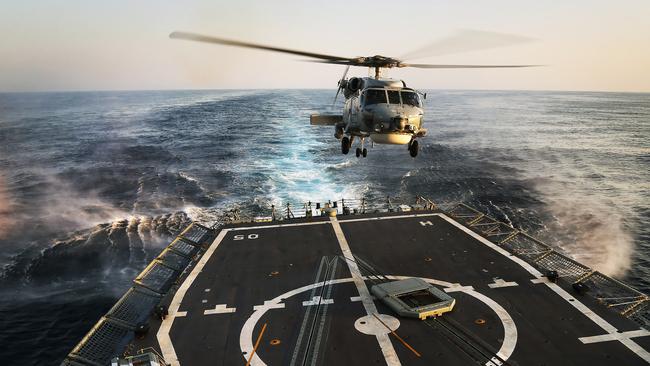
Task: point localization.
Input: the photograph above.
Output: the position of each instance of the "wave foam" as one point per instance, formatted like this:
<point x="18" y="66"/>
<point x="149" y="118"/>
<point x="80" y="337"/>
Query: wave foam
<point x="596" y="233"/>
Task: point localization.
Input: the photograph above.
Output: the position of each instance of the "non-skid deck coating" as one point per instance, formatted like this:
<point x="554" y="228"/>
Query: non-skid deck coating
<point x="319" y="315"/>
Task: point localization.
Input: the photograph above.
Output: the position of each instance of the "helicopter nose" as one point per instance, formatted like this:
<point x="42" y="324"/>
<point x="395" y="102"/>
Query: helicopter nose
<point x="400" y="122"/>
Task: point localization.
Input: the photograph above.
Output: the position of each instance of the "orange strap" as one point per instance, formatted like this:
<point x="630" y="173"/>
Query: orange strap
<point x="257" y="343"/>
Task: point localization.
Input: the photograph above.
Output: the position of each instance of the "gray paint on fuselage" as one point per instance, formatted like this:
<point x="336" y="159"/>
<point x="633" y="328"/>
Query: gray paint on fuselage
<point x="360" y="120"/>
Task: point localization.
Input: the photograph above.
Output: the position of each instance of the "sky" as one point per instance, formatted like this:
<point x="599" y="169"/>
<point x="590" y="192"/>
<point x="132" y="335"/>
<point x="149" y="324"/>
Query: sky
<point x="52" y="45"/>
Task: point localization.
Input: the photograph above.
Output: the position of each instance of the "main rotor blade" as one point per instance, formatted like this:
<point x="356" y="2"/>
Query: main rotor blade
<point x="348" y="62"/>
<point x="465" y="41"/>
<point x="228" y="42"/>
<point x="433" y="66"/>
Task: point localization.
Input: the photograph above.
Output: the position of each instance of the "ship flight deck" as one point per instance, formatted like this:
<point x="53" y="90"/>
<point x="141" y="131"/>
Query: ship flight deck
<point x="297" y="292"/>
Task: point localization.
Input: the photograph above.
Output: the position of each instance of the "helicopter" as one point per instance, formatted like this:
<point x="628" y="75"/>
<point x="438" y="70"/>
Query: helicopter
<point x="383" y="109"/>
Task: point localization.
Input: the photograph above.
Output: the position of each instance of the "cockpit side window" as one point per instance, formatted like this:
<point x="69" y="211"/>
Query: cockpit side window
<point x="374" y="96"/>
<point x="393" y="97"/>
<point x="411" y="98"/>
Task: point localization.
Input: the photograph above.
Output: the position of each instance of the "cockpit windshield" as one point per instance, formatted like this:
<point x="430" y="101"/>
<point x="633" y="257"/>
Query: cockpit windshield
<point x="411" y="98"/>
<point x="393" y="97"/>
<point x="374" y="96"/>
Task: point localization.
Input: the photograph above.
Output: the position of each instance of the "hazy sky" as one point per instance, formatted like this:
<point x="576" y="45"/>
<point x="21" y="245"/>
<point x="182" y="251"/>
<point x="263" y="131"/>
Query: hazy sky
<point x="96" y="45"/>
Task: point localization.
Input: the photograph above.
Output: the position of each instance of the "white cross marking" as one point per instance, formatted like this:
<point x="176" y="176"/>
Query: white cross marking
<point x="269" y="305"/>
<point x="317" y="300"/>
<point x="498" y="283"/>
<point x="219" y="309"/>
<point x="457" y="287"/>
<point x="614" y="336"/>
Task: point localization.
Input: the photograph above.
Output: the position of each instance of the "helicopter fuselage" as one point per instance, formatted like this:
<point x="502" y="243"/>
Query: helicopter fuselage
<point x="383" y="109"/>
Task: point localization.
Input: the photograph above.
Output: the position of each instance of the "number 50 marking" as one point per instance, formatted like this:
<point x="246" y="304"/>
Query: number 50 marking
<point x="249" y="236"/>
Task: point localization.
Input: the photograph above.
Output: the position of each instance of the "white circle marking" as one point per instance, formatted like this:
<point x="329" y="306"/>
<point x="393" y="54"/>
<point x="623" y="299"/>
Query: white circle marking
<point x="509" y="327"/>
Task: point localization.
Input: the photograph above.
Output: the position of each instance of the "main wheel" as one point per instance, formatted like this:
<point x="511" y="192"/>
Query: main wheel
<point x="345" y="145"/>
<point x="364" y="152"/>
<point x="358" y="152"/>
<point x="413" y="149"/>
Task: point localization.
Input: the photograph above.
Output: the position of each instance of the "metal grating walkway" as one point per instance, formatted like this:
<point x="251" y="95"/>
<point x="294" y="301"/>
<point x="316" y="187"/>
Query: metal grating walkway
<point x="114" y="331"/>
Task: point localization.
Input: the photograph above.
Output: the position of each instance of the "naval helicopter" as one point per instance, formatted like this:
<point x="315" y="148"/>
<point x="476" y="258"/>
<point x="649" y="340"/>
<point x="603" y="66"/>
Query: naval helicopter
<point x="383" y="109"/>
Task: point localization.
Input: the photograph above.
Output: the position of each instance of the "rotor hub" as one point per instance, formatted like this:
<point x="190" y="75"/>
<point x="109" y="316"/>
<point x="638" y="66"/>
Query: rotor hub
<point x="377" y="61"/>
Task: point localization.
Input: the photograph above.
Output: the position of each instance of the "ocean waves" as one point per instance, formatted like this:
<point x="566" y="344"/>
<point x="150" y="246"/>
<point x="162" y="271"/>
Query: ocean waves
<point x="93" y="185"/>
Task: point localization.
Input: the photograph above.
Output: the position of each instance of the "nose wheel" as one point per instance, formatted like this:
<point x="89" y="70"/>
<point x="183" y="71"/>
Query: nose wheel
<point x="362" y="151"/>
<point x="414" y="146"/>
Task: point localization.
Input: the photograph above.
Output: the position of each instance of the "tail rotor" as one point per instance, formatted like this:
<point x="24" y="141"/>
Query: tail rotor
<point x="341" y="84"/>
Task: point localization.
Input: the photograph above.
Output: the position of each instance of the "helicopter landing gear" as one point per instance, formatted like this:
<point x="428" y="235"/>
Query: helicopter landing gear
<point x="362" y="151"/>
<point x="338" y="133"/>
<point x="413" y="148"/>
<point x="345" y="145"/>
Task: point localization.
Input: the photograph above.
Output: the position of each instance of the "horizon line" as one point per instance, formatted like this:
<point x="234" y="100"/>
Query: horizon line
<point x="51" y="91"/>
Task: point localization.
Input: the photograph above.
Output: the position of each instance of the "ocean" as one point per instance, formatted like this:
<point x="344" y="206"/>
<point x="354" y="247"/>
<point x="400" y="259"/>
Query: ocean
<point x="94" y="184"/>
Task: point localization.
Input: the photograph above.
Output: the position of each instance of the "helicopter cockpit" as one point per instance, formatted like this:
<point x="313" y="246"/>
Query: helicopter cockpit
<point x="411" y="98"/>
<point x="393" y="97"/>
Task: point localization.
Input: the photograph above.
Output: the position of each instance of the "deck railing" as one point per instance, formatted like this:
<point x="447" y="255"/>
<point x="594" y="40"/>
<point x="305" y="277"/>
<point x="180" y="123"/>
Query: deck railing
<point x="112" y="333"/>
<point x="611" y="292"/>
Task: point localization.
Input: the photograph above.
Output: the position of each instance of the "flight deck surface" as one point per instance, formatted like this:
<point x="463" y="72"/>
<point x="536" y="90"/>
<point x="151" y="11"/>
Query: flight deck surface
<point x="298" y="293"/>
